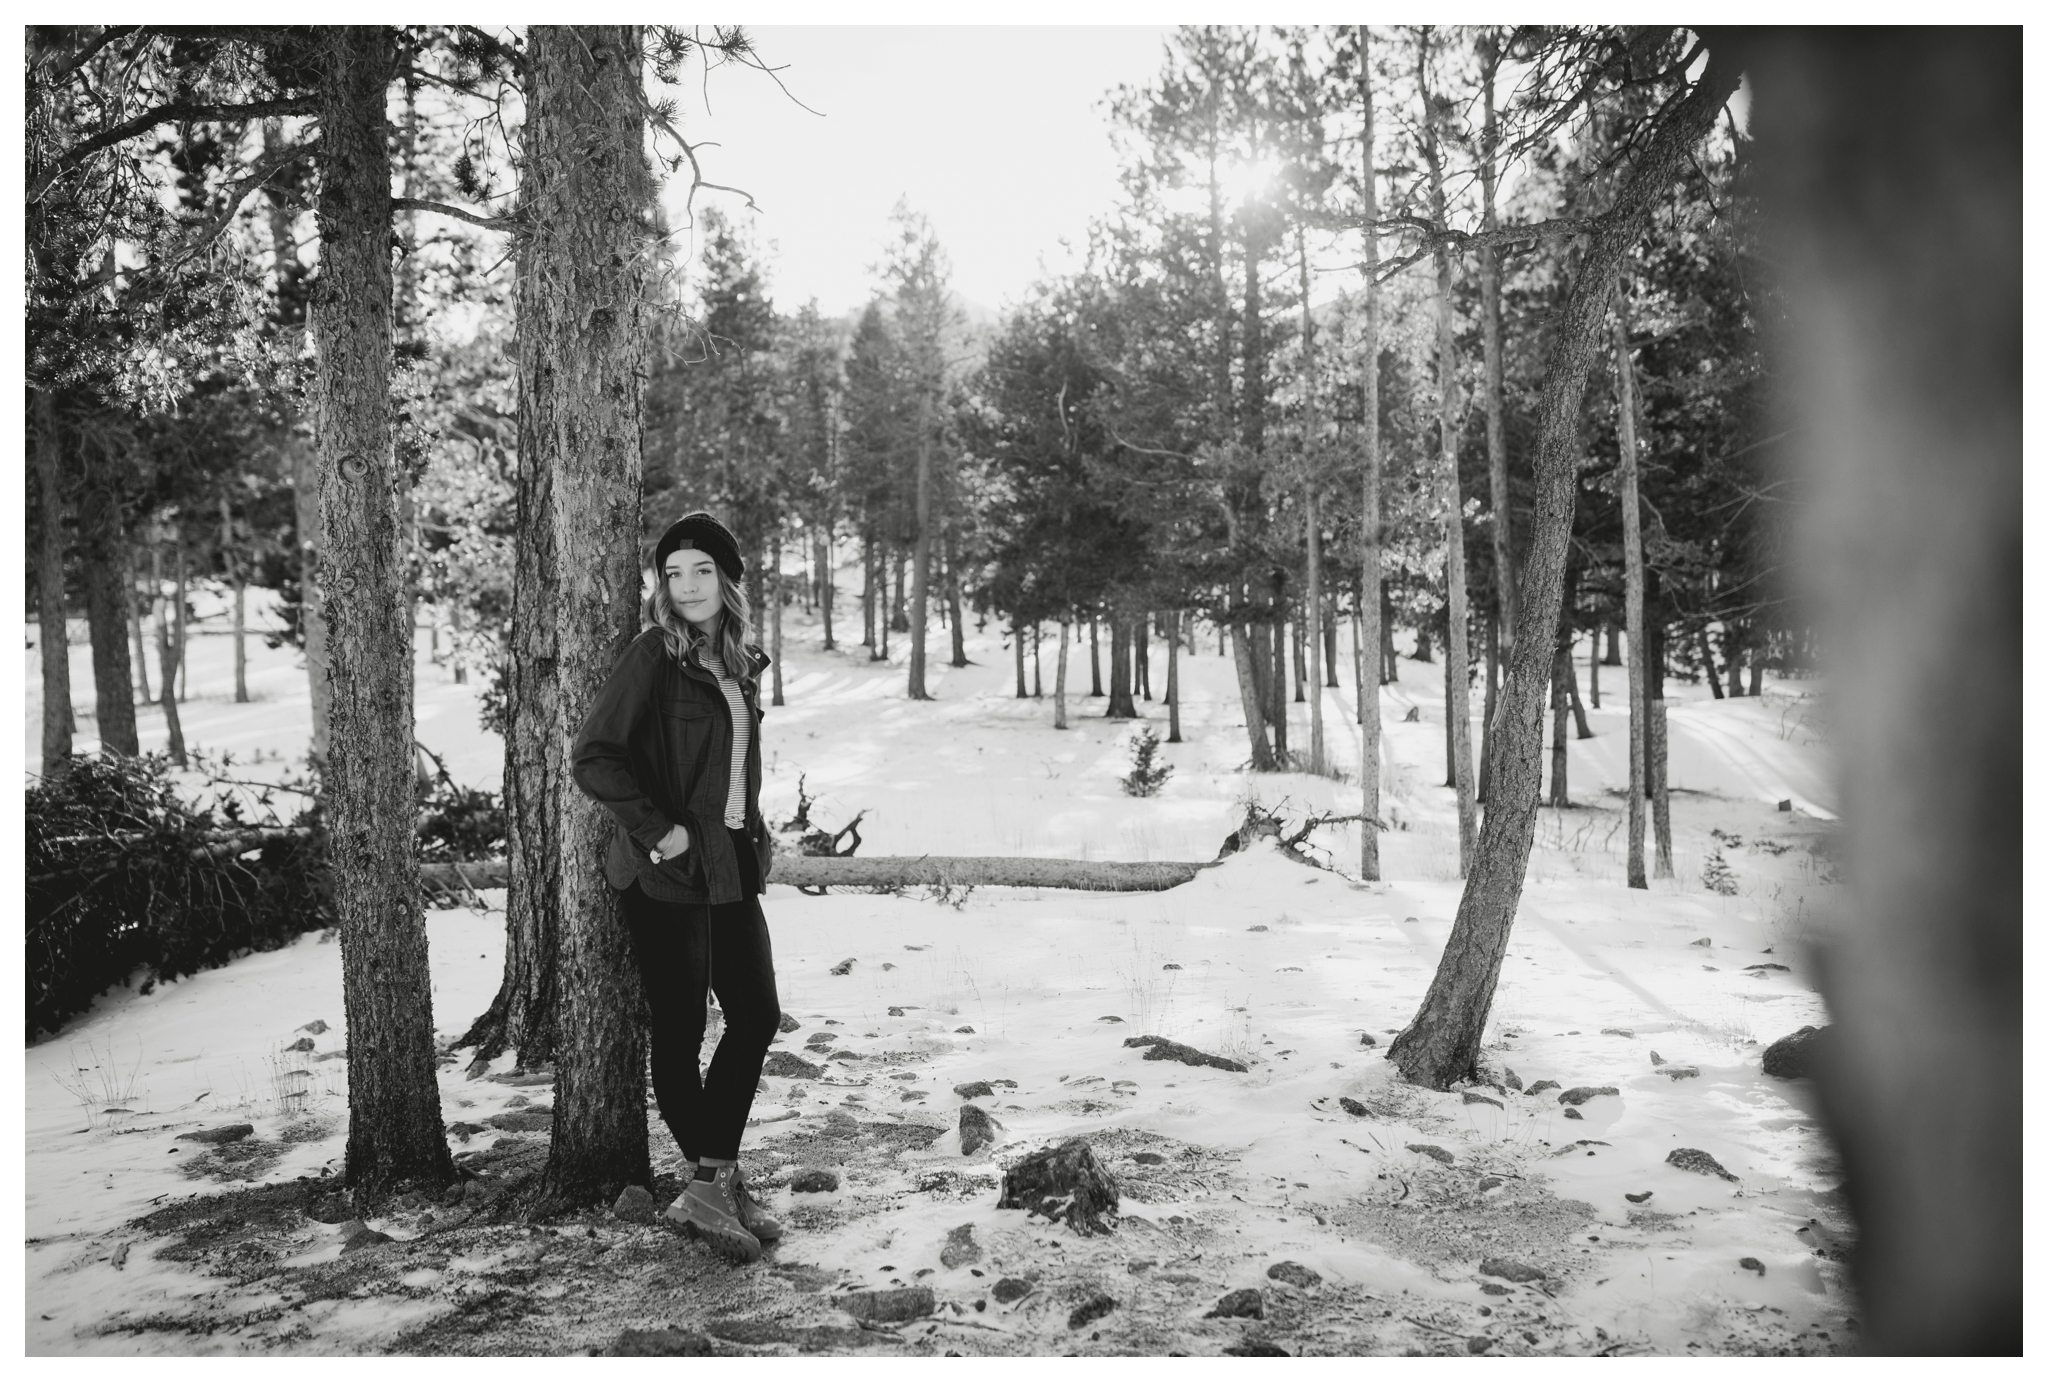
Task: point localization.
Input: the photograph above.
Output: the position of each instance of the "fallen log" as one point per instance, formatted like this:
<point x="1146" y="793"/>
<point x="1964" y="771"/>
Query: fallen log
<point x="930" y="871"/>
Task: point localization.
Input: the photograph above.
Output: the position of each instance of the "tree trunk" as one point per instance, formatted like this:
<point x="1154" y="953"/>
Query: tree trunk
<point x="1037" y="681"/>
<point x="1017" y="639"/>
<point x="1658" y="778"/>
<point x="1895" y="163"/>
<point x="774" y="618"/>
<point x="1248" y="695"/>
<point x="1442" y="1043"/>
<point x="884" y="616"/>
<point x="825" y="583"/>
<point x="166" y="658"/>
<point x="53" y="633"/>
<point x="1571" y="686"/>
<point x="109" y="613"/>
<point x="178" y="608"/>
<point x="1492" y="704"/>
<point x="1422" y="649"/>
<point x="1496" y="388"/>
<point x="1318" y="748"/>
<point x="1731" y="646"/>
<point x="583" y="323"/>
<point x="395" y="1133"/>
<point x="1275" y="680"/>
<point x="1059" y="681"/>
<point x="137" y="601"/>
<point x="899" y="619"/>
<point x="1120" y="706"/>
<point x="1094" y="658"/>
<point x="1632" y="599"/>
<point x="867" y="595"/>
<point x="1173" y="677"/>
<point x="312" y="593"/>
<point x="1593" y="667"/>
<point x="1457" y="680"/>
<point x="1330" y="617"/>
<point x="1612" y="657"/>
<point x="1387" y="653"/>
<point x="921" y="578"/>
<point x="1141" y="655"/>
<point x="1560" y="709"/>
<point x="959" y="625"/>
<point x="1297" y="638"/>
<point x="241" y="587"/>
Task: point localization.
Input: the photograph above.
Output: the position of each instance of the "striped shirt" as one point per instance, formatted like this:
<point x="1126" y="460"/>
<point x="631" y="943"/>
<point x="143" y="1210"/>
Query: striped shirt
<point x="742" y="727"/>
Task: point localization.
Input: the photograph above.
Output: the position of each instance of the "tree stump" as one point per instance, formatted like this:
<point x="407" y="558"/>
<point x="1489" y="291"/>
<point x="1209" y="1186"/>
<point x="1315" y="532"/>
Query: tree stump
<point x="1065" y="1184"/>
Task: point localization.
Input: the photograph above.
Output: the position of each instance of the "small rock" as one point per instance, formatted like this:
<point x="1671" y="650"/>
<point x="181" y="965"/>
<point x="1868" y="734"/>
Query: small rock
<point x="787" y="1065"/>
<point x="1634" y="1198"/>
<point x="1247" y="1304"/>
<point x="1751" y="1264"/>
<point x="887" y="965"/>
<point x="977" y="1129"/>
<point x="1785" y="805"/>
<point x="845" y="966"/>
<point x="1617" y="1031"/>
<point x="660" y="1343"/>
<point x="1432" y="1151"/>
<point x="1010" y="1288"/>
<point x="1259" y="1348"/>
<point x="1512" y="1080"/>
<point x="1783" y="969"/>
<point x="302" y="1044"/>
<point x="1091" y="1310"/>
<point x="1693" y="1159"/>
<point x="1681" y="1072"/>
<point x="1487" y="1183"/>
<point x="1704" y="943"/>
<point x="787" y="1024"/>
<point x="318" y="1027"/>
<point x="975" y="1089"/>
<point x="1352" y="1107"/>
<point x="964" y="1031"/>
<point x="1149" y="1159"/>
<point x="1478" y="1343"/>
<point x="888" y="1307"/>
<point x="960" y="1249"/>
<point x="522" y="1120"/>
<point x="1366" y="1039"/>
<point x="1507" y="1269"/>
<point x="1579" y="1094"/>
<point x="1065" y="1184"/>
<point x="364" y="1237"/>
<point x="1169" y="967"/>
<point x="120" y="1258"/>
<point x="1656" y="1059"/>
<point x="1792" y="1057"/>
<point x="1159" y="1048"/>
<point x="1260" y="927"/>
<point x="232" y="1132"/>
<point x="814" y="1182"/>
<point x="1295" y="1274"/>
<point x="1139" y="1265"/>
<point x="1575" y="1115"/>
<point x="1542" y="1085"/>
<point x="1493" y="1288"/>
<point x="635" y="1205"/>
<point x="1472" y="1098"/>
<point x="465" y="1131"/>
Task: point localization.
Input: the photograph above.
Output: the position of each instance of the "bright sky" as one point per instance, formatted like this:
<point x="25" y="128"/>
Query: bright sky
<point x="996" y="134"/>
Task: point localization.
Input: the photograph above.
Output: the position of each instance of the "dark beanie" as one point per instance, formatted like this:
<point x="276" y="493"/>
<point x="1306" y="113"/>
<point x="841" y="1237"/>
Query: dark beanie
<point x="702" y="533"/>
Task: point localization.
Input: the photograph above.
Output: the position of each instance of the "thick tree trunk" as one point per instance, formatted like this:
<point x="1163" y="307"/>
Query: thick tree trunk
<point x="313" y="595"/>
<point x="921" y="578"/>
<point x="1632" y="599"/>
<point x="1731" y="646"/>
<point x="53" y="634"/>
<point x="1442" y="1043"/>
<point x="1059" y="681"/>
<point x="583" y="322"/>
<point x="1121" y="706"/>
<point x="395" y="1132"/>
<point x="109" y="611"/>
<point x="1248" y="696"/>
<point x="166" y="660"/>
<point x="1612" y="657"/>
<point x="1895" y="160"/>
<point x="1173" y="677"/>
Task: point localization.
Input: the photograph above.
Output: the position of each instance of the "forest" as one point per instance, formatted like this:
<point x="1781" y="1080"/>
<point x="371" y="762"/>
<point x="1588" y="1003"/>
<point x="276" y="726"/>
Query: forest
<point x="1457" y="354"/>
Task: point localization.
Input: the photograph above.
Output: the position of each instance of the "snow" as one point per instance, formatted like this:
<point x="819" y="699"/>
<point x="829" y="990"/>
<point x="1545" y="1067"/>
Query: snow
<point x="1281" y="966"/>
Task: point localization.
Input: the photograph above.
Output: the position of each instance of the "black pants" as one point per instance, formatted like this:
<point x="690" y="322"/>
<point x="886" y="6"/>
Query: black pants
<point x="683" y="949"/>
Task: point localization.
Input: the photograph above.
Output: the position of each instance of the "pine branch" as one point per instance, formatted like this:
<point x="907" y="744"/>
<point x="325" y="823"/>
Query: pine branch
<point x="164" y="114"/>
<point x="506" y="223"/>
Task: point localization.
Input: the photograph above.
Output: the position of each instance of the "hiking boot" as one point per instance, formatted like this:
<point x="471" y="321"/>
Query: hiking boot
<point x="759" y="1221"/>
<point x="709" y="1209"/>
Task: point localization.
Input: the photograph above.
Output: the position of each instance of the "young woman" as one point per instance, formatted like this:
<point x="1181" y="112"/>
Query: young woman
<point x="672" y="747"/>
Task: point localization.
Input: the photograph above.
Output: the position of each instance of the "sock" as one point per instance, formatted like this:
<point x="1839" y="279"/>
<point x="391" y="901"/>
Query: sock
<point x="705" y="1172"/>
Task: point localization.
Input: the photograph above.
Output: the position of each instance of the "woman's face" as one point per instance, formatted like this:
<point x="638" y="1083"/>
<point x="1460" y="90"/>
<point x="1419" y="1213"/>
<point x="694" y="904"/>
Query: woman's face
<point x="693" y="588"/>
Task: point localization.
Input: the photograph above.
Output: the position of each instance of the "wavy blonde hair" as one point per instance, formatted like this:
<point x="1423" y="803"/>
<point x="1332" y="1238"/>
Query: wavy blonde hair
<point x="735" y="622"/>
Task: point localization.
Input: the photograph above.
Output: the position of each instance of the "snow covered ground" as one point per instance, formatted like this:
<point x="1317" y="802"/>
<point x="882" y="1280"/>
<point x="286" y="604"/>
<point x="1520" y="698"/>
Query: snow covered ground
<point x="1285" y="968"/>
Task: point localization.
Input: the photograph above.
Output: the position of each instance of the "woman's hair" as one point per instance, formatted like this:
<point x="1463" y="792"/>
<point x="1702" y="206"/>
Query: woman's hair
<point x="735" y="627"/>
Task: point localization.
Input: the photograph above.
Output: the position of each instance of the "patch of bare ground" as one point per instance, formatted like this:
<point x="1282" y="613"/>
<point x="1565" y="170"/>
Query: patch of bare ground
<point x="1438" y="1216"/>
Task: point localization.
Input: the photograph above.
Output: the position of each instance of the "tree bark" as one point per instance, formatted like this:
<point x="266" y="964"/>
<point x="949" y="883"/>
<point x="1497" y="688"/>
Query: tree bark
<point x="166" y="658"/>
<point x="313" y="596"/>
<point x="1121" y="706"/>
<point x="825" y="583"/>
<point x="109" y="612"/>
<point x="1173" y="677"/>
<point x="53" y="633"/>
<point x="1894" y="160"/>
<point x="1593" y="667"/>
<point x="1612" y="657"/>
<point x="395" y="1133"/>
<point x="899" y="620"/>
<point x="1248" y="696"/>
<point x="1094" y="658"/>
<point x="1017" y="640"/>
<point x="959" y="628"/>
<point x="1632" y="598"/>
<point x="1442" y="1043"/>
<point x="1491" y="707"/>
<point x="1457" y="678"/>
<point x="584" y="301"/>
<point x="1275" y="681"/>
<point x="1059" y="681"/>
<point x="921" y="577"/>
<point x="1560" y="708"/>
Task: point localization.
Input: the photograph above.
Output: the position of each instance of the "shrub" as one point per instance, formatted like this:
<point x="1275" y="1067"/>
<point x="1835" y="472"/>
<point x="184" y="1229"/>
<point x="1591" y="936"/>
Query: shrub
<point x="1147" y="774"/>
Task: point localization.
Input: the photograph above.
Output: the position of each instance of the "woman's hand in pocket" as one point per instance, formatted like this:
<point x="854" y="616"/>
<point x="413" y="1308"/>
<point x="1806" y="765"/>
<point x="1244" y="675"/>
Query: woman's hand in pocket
<point x="675" y="842"/>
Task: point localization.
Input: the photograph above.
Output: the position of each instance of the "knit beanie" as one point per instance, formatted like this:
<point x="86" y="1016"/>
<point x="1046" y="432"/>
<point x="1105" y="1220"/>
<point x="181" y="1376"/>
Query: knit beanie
<point x="703" y="533"/>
